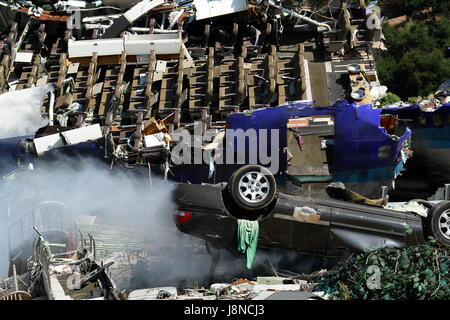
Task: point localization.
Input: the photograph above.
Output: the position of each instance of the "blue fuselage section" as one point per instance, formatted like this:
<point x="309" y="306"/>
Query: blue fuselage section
<point x="430" y="138"/>
<point x="431" y="129"/>
<point x="363" y="151"/>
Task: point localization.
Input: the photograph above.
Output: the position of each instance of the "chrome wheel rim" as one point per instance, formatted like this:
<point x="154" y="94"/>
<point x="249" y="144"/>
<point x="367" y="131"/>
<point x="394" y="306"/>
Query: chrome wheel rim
<point x="444" y="224"/>
<point x="254" y="187"/>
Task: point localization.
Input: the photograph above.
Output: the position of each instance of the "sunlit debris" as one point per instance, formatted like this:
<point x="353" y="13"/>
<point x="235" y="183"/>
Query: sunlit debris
<point x="122" y="64"/>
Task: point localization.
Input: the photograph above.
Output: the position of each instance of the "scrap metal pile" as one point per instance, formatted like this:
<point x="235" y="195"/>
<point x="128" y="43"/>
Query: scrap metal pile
<point x="263" y="288"/>
<point x="127" y="73"/>
<point x="49" y="263"/>
<point x="427" y="173"/>
<point x="64" y="265"/>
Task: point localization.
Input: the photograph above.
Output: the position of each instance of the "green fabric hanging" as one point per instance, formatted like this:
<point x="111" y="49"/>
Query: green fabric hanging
<point x="248" y="239"/>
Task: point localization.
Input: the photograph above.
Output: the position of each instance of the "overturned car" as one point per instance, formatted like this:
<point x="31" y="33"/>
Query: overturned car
<point x="327" y="227"/>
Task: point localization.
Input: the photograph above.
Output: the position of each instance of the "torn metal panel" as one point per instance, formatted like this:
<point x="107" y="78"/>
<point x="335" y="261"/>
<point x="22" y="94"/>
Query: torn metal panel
<point x="141" y="8"/>
<point x="153" y="294"/>
<point x="67" y="138"/>
<point x="306" y="214"/>
<point x="137" y="11"/>
<point x="205" y="9"/>
<point x="411" y="206"/>
<point x="428" y="121"/>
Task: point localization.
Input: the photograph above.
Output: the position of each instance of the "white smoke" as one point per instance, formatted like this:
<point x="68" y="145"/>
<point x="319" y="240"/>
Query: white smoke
<point x="121" y="196"/>
<point x="90" y="188"/>
<point x="20" y="112"/>
<point x="128" y="197"/>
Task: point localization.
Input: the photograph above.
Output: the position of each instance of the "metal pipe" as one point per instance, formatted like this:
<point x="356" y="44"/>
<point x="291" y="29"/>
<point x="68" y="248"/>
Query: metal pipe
<point x="90" y="26"/>
<point x="384" y="191"/>
<point x="100" y="18"/>
<point x="147" y="30"/>
<point x="299" y="16"/>
<point x="16" y="285"/>
<point x="50" y="107"/>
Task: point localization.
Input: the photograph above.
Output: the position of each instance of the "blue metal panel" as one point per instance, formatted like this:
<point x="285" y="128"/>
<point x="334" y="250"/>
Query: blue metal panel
<point x="358" y="135"/>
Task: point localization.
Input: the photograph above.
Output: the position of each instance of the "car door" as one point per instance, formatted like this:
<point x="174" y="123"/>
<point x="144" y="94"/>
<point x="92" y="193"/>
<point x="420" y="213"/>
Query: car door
<point x="300" y="225"/>
<point x="355" y="227"/>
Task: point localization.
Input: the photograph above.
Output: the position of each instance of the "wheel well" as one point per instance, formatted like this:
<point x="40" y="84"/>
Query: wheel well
<point x="239" y="213"/>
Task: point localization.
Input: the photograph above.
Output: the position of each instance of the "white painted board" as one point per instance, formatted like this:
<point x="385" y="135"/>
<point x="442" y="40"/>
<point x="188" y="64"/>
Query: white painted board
<point x="132" y="44"/>
<point x="154" y="140"/>
<point x="24" y="57"/>
<point x="212" y="8"/>
<point x="73" y="68"/>
<point x="104" y="47"/>
<point x="167" y="43"/>
<point x="141" y="8"/>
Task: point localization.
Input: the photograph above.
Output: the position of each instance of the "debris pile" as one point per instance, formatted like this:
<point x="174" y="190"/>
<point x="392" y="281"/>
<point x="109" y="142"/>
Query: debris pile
<point x="125" y="75"/>
<point x="430" y="103"/>
<point x="428" y="120"/>
<point x="420" y="273"/>
<point x="263" y="288"/>
<point x="125" y="65"/>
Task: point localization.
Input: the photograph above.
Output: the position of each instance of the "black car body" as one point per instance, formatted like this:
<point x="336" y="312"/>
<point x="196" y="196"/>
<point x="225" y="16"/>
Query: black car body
<point x="342" y="227"/>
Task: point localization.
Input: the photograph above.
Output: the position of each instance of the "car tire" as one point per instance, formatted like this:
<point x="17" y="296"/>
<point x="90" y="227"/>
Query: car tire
<point x="438" y="222"/>
<point x="252" y="187"/>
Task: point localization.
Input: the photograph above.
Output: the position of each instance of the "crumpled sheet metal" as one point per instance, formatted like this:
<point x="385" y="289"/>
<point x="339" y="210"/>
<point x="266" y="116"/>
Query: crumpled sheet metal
<point x="411" y="206"/>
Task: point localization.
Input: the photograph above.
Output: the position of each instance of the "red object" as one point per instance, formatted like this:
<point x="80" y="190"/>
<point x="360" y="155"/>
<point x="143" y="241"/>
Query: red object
<point x="46" y="16"/>
<point x="300" y="140"/>
<point x="388" y="122"/>
<point x="182" y="217"/>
